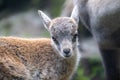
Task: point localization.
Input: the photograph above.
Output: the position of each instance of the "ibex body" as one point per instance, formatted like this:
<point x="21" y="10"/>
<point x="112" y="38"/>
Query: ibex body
<point x="41" y="59"/>
<point x="102" y="18"/>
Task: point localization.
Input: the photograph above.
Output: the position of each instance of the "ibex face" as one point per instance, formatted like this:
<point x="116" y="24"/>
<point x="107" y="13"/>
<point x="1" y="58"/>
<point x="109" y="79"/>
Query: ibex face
<point x="64" y="35"/>
<point x="63" y="31"/>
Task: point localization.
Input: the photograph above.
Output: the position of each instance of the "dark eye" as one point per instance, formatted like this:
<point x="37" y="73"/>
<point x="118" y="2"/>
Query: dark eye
<point x="55" y="40"/>
<point x="74" y="37"/>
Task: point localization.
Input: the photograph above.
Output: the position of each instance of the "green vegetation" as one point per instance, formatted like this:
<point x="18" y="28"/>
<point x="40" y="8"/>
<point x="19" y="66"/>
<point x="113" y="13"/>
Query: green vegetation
<point x="92" y="70"/>
<point x="56" y="7"/>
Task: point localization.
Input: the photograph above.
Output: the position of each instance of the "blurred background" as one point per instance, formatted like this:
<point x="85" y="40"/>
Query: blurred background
<point x="20" y="18"/>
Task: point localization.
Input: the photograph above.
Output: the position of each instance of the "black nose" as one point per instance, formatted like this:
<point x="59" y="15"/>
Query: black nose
<point x="66" y="51"/>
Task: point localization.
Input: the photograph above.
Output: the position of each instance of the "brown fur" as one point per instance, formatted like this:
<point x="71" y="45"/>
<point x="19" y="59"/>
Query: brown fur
<point x="30" y="59"/>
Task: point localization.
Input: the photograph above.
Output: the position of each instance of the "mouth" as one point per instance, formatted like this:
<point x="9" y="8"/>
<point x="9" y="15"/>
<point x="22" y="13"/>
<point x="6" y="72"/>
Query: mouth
<point x="67" y="56"/>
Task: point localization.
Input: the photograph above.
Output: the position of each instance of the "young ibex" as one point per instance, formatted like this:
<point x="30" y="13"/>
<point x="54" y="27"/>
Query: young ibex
<point x="102" y="18"/>
<point x="42" y="59"/>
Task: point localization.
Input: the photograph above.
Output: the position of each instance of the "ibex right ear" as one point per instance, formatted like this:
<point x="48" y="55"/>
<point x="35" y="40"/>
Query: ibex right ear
<point x="45" y="19"/>
<point x="75" y="14"/>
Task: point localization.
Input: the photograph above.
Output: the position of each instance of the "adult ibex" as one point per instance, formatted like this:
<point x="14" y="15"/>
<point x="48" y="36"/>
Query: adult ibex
<point x="102" y="18"/>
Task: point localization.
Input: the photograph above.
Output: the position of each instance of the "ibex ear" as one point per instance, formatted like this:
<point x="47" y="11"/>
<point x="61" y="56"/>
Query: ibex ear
<point x="75" y="14"/>
<point x="45" y="19"/>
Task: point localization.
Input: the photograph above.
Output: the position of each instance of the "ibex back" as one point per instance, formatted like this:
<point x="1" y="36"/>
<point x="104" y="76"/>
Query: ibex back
<point x="102" y="18"/>
<point x="41" y="59"/>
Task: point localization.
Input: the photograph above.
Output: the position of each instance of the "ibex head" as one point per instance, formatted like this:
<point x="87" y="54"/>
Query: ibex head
<point x="63" y="31"/>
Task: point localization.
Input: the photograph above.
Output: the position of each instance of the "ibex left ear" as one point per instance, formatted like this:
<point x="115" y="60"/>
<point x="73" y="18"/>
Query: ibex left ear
<point x="45" y="19"/>
<point x="75" y="14"/>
